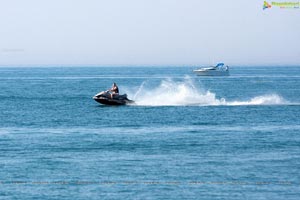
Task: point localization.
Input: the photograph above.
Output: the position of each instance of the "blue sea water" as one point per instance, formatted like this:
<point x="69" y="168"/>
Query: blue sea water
<point x="186" y="137"/>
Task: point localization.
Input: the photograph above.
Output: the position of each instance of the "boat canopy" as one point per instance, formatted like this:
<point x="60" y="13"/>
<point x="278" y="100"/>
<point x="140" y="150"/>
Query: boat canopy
<point x="219" y="64"/>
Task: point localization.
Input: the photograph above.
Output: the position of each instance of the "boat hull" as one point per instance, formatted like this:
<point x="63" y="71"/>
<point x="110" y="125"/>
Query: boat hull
<point x="211" y="73"/>
<point x="113" y="102"/>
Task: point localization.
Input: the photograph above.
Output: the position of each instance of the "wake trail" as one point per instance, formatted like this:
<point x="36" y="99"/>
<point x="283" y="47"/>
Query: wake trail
<point x="182" y="93"/>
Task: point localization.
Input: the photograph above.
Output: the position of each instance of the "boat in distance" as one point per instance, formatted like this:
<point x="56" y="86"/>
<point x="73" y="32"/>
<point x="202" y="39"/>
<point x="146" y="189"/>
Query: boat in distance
<point x="219" y="70"/>
<point x="106" y="99"/>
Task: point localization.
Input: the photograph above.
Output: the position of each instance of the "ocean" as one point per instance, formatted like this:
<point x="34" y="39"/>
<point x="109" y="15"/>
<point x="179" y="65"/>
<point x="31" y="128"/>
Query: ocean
<point x="186" y="137"/>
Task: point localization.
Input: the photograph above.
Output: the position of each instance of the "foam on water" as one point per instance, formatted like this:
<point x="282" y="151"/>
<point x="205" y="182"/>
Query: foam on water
<point x="271" y="99"/>
<point x="178" y="93"/>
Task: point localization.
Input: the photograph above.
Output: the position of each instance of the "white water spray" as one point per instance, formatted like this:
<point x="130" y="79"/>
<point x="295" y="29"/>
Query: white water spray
<point x="139" y="90"/>
<point x="182" y="93"/>
<point x="272" y="99"/>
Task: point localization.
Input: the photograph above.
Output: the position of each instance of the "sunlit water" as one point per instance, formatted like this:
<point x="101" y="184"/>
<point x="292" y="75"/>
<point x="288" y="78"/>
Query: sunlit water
<point x="186" y="137"/>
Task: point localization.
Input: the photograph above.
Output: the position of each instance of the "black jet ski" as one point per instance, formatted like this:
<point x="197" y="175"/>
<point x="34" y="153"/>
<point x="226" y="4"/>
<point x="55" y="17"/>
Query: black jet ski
<point x="105" y="98"/>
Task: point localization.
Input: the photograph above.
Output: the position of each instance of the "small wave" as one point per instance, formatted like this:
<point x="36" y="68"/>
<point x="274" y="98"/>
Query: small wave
<point x="172" y="93"/>
<point x="37" y="132"/>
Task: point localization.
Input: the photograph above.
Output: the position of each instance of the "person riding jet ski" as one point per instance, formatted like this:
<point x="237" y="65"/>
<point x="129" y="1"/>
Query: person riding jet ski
<point x="114" y="90"/>
<point x="112" y="97"/>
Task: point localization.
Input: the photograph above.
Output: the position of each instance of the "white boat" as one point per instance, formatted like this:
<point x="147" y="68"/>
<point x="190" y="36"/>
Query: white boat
<point x="219" y="70"/>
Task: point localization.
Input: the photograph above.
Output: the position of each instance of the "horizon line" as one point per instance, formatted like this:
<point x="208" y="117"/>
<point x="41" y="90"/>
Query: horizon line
<point x="139" y="65"/>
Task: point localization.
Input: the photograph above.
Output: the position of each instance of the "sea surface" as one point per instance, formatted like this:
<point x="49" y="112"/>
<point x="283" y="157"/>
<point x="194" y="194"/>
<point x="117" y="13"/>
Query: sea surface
<point x="186" y="137"/>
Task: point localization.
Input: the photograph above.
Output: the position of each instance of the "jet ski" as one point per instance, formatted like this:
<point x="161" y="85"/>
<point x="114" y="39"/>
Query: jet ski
<point x="105" y="98"/>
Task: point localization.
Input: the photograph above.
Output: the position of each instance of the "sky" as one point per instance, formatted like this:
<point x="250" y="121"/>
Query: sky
<point x="147" y="33"/>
